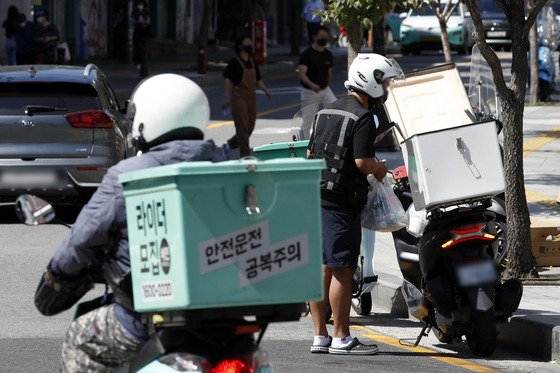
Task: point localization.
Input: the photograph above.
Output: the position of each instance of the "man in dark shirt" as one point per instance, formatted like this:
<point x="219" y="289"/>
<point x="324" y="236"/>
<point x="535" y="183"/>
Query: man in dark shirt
<point x="315" y="70"/>
<point x="24" y="35"/>
<point x="344" y="135"/>
<point x="46" y="39"/>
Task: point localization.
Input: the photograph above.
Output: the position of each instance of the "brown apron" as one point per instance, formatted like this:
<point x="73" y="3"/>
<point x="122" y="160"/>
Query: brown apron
<point x="244" y="109"/>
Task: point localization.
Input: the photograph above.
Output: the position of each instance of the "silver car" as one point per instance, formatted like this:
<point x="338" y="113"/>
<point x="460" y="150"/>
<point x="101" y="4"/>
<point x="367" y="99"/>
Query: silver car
<point x="61" y="128"/>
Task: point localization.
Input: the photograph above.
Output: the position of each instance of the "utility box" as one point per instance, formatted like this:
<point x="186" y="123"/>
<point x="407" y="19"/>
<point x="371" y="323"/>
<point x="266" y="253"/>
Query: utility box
<point x="545" y="239"/>
<point x="205" y="235"/>
<point x="295" y="149"/>
<point x="453" y="165"/>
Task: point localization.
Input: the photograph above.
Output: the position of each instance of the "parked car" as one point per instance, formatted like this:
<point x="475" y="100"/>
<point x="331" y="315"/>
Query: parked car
<point x="61" y="129"/>
<point x="393" y="22"/>
<point x="421" y="30"/>
<point x="497" y="29"/>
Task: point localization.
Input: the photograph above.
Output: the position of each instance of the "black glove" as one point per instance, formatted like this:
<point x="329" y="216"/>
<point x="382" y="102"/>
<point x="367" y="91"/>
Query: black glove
<point x="56" y="294"/>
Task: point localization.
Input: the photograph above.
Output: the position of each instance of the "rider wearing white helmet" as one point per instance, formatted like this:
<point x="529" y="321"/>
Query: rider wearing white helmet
<point x="343" y="135"/>
<point x="170" y="114"/>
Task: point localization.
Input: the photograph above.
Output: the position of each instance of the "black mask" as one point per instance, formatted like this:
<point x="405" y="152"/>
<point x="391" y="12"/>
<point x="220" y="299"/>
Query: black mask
<point x="322" y="42"/>
<point x="248" y="48"/>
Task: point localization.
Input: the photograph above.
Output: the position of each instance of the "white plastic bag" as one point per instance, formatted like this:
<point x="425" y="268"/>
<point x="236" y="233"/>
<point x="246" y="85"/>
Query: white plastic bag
<point x="383" y="211"/>
<point x="417" y="221"/>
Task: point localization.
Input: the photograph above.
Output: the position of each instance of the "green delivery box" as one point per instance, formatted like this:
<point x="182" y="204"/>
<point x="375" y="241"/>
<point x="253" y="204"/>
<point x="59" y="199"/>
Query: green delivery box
<point x="205" y="235"/>
<point x="297" y="149"/>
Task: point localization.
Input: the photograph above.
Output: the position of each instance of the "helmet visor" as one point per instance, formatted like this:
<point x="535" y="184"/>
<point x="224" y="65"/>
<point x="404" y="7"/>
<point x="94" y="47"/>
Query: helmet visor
<point x="399" y="77"/>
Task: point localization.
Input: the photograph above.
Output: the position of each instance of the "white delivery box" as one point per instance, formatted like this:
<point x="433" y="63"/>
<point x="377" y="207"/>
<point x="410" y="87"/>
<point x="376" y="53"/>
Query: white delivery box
<point x="432" y="99"/>
<point x="454" y="165"/>
<point x="449" y="158"/>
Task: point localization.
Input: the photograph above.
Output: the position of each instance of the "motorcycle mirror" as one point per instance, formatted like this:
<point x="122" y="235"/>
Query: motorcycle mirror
<point x="32" y="210"/>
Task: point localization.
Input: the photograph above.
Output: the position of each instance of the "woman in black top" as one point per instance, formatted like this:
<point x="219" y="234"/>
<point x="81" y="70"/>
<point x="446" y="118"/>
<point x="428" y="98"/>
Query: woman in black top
<point x="242" y="72"/>
<point x="8" y="26"/>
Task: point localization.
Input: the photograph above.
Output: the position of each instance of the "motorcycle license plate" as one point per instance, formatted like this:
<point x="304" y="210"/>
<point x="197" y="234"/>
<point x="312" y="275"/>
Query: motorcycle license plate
<point x="476" y="274"/>
<point x="496" y="34"/>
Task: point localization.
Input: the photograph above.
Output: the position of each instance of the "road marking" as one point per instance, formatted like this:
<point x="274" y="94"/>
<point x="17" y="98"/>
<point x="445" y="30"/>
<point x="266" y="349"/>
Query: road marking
<point x="542" y="199"/>
<point x="499" y="57"/>
<point x="540" y="141"/>
<point x="422" y="351"/>
<point x="530" y="147"/>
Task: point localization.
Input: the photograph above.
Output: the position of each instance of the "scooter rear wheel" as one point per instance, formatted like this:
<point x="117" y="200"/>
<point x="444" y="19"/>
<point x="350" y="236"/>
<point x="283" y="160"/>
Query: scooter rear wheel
<point x="482" y="336"/>
<point x="362" y="305"/>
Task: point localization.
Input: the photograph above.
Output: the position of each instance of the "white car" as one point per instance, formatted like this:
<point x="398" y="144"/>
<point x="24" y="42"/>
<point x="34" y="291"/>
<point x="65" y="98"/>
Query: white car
<point x="421" y="31"/>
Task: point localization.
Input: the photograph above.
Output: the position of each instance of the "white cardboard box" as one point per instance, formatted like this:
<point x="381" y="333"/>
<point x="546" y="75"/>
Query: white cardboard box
<point x="454" y="165"/>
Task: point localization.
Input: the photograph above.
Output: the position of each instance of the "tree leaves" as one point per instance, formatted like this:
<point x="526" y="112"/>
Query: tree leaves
<point x="368" y="12"/>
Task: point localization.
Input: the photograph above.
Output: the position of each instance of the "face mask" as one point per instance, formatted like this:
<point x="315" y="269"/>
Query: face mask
<point x="40" y="19"/>
<point x="21" y="24"/>
<point x="322" y="42"/>
<point x="140" y="7"/>
<point x="248" y="48"/>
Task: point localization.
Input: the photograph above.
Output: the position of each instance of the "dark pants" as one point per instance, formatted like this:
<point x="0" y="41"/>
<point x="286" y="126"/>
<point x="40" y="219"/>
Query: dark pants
<point x="25" y="58"/>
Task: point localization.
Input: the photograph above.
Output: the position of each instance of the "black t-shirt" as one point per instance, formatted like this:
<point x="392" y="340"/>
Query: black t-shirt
<point x="234" y="70"/>
<point x="318" y="65"/>
<point x="9" y="26"/>
<point x="361" y="144"/>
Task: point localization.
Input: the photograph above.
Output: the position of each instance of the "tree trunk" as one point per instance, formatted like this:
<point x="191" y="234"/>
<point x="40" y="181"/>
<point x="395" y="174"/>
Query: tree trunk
<point x="295" y="40"/>
<point x="534" y="68"/>
<point x="355" y="40"/>
<point x="445" y="41"/>
<point x="513" y="104"/>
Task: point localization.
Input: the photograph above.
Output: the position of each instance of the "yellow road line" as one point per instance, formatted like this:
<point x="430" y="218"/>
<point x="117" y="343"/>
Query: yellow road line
<point x="499" y="57"/>
<point x="542" y="199"/>
<point x="423" y="351"/>
<point x="540" y="141"/>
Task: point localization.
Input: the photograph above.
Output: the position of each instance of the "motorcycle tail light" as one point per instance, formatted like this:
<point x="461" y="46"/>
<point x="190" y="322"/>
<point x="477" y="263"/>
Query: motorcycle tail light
<point x="234" y="366"/>
<point x="468" y="229"/>
<point x="90" y="119"/>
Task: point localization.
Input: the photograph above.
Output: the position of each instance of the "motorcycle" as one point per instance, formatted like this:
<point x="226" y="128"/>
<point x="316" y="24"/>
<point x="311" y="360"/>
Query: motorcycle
<point x="452" y="258"/>
<point x="205" y="341"/>
<point x="546" y="45"/>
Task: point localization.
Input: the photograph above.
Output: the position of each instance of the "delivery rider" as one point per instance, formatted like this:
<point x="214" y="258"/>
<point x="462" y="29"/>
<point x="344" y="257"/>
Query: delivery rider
<point x="343" y="135"/>
<point x="169" y="127"/>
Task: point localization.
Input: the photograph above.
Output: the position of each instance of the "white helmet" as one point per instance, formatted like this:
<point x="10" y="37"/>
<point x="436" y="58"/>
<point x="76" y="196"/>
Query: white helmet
<point x="369" y="71"/>
<point x="168" y="107"/>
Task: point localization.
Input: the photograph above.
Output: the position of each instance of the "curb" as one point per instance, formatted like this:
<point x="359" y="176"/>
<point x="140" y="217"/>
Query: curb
<point x="525" y="333"/>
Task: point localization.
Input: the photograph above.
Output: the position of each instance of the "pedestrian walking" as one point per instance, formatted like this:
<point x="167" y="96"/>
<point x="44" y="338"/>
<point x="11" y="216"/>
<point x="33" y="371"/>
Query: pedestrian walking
<point x="313" y="21"/>
<point x="46" y="39"/>
<point x="343" y="135"/>
<point x="315" y="70"/>
<point x="142" y="31"/>
<point x="25" y="43"/>
<point x="9" y="26"/>
<point x="242" y="77"/>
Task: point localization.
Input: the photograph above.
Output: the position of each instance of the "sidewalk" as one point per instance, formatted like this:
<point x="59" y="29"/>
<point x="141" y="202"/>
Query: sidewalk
<point x="535" y="327"/>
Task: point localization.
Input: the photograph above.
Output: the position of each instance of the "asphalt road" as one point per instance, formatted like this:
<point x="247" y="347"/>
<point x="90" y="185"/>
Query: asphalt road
<point x="30" y="342"/>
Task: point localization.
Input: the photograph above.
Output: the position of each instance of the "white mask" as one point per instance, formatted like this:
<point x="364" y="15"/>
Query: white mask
<point x="21" y="24"/>
<point x="40" y="19"/>
<point x="140" y="7"/>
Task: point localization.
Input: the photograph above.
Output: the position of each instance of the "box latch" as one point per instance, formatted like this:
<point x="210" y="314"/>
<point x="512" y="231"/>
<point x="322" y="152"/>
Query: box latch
<point x="460" y="145"/>
<point x="251" y="201"/>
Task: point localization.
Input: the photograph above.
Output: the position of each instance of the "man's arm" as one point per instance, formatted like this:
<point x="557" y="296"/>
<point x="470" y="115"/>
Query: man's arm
<point x="371" y="166"/>
<point x="302" y="75"/>
<point x="91" y="234"/>
<point x="330" y="77"/>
